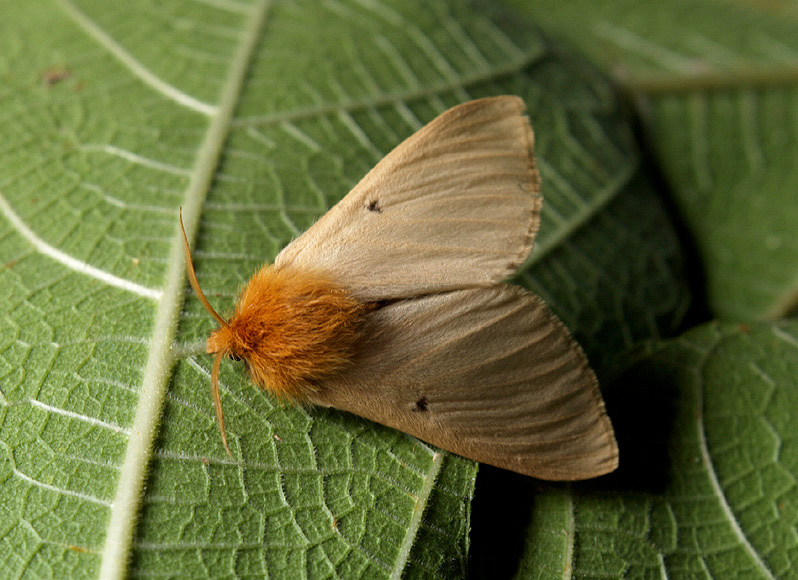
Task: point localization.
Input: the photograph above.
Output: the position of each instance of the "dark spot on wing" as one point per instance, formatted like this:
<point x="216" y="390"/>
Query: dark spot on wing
<point x="421" y="405"/>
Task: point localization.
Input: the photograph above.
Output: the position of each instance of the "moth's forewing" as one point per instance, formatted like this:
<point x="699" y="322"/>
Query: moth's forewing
<point x="455" y="205"/>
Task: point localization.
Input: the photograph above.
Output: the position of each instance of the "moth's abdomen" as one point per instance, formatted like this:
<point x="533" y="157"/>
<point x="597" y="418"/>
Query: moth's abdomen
<point x="293" y="327"/>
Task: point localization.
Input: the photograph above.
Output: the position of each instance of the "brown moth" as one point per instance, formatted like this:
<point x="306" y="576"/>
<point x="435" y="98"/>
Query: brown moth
<point x="392" y="306"/>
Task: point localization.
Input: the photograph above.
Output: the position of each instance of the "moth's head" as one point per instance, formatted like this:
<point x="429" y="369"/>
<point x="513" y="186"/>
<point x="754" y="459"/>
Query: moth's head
<point x="244" y="335"/>
<point x="230" y="340"/>
<point x="224" y="340"/>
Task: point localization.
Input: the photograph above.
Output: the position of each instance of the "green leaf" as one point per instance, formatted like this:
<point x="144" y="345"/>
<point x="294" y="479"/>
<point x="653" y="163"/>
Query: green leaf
<point x="709" y="460"/>
<point x="715" y="86"/>
<point x="255" y="117"/>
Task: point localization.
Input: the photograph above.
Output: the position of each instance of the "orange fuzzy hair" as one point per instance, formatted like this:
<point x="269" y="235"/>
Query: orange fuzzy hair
<point x="292" y="328"/>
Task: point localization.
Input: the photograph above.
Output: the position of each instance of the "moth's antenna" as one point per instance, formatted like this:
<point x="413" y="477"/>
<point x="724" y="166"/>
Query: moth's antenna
<point x="192" y="278"/>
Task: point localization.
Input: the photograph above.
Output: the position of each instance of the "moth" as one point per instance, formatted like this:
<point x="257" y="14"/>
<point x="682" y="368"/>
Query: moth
<point x="393" y="306"/>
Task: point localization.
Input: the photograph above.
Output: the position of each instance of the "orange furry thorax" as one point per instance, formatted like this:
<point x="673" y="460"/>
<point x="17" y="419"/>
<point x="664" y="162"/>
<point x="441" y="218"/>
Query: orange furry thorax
<point x="292" y="327"/>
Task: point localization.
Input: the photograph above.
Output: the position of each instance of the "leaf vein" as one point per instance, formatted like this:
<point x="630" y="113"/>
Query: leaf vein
<point x="70" y="262"/>
<point x="133" y="65"/>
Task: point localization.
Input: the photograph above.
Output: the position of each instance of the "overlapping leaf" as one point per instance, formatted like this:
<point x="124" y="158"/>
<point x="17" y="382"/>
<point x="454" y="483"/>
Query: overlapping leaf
<point x="715" y="84"/>
<point x="707" y="487"/>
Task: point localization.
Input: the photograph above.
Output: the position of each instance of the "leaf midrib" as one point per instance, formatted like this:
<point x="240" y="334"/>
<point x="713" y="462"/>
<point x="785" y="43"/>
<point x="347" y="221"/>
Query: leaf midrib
<point x="160" y="361"/>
